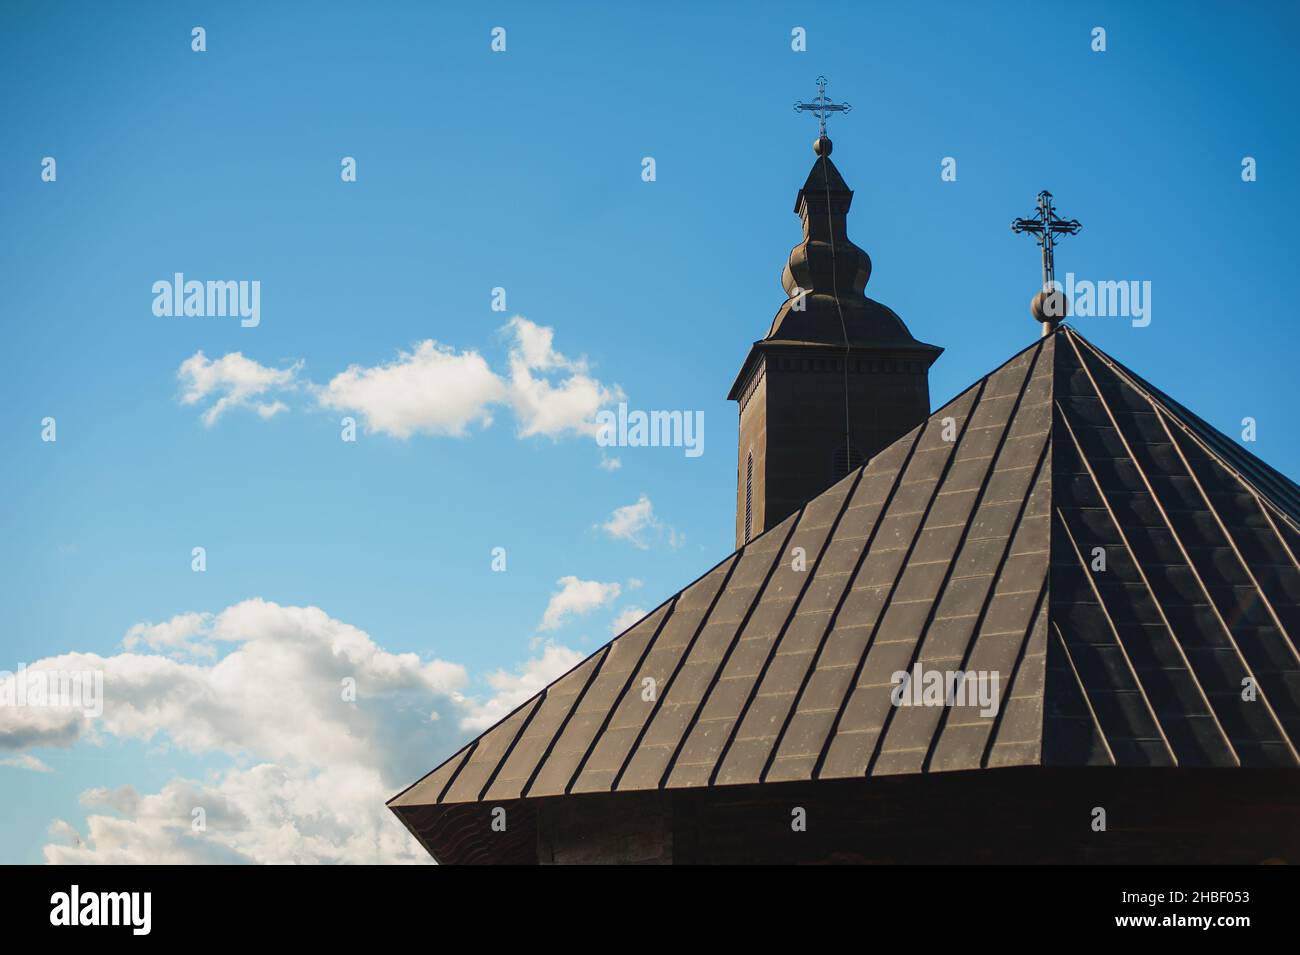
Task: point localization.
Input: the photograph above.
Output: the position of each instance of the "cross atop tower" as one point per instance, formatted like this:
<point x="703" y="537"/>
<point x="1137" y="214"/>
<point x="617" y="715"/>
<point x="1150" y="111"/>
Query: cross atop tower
<point x="1049" y="305"/>
<point x="821" y="107"/>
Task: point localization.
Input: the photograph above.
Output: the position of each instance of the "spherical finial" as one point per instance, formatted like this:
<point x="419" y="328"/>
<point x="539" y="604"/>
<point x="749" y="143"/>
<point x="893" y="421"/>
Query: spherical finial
<point x="1049" y="307"/>
<point x="822" y="146"/>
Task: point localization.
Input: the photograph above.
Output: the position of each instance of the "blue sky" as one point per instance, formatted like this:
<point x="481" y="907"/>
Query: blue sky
<point x="522" y="170"/>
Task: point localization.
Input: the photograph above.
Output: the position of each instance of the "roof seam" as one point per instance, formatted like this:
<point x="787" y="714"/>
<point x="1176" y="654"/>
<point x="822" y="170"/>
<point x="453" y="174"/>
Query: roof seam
<point x="564" y="723"/>
<point x="538" y="700"/>
<point x="469" y="752"/>
<point x="1083" y="692"/>
<point x="631" y="677"/>
<point x="951" y="561"/>
<point x="981" y="616"/>
<point x="1173" y="532"/>
<point x="830" y="625"/>
<point x="657" y="706"/>
<point x="1232" y="542"/>
<point x="893" y="588"/>
<point x="1282" y="540"/>
<point x="669" y="602"/>
<point x="735" y="640"/>
<point x="1162" y="416"/>
<point x="1158" y="399"/>
<point x="459" y="754"/>
<point x="991" y="743"/>
<point x="1101" y="602"/>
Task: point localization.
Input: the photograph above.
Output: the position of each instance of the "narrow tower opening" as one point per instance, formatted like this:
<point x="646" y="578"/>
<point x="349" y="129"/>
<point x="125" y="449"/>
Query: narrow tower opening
<point x="749" y="496"/>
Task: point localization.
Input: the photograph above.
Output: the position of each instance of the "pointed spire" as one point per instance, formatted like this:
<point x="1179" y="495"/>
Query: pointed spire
<point x="813" y="278"/>
<point x="823" y="207"/>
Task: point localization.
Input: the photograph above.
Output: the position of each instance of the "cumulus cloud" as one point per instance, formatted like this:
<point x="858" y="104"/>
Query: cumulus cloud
<point x="512" y="688"/>
<point x="625" y="619"/>
<point x="310" y="767"/>
<point x="181" y="636"/>
<point x="564" y="397"/>
<point x="268" y="813"/>
<point x="631" y="521"/>
<point x="431" y="390"/>
<point x="637" y="524"/>
<point x="235" y="382"/>
<point x="576" y="598"/>
<point x="36" y="726"/>
<point x="277" y="693"/>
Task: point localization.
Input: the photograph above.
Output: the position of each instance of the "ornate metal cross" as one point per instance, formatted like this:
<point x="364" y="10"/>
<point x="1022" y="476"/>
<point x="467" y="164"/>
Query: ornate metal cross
<point x="1045" y="227"/>
<point x="821" y="107"/>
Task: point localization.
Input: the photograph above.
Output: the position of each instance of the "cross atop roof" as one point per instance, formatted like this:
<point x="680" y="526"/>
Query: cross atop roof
<point x="822" y="107"/>
<point x="1049" y="306"/>
<point x="1045" y="227"/>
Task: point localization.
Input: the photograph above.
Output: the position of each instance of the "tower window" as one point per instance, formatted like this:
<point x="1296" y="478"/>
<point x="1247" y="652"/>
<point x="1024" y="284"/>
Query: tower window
<point x="847" y="457"/>
<point x="749" y="495"/>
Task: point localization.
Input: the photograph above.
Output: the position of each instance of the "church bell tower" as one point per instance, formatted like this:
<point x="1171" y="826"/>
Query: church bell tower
<point x="837" y="378"/>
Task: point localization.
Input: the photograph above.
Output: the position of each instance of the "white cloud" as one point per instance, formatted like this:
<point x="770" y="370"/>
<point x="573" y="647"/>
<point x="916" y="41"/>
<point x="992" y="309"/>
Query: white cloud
<point x="267" y="813"/>
<point x="26" y="761"/>
<point x="32" y="726"/>
<point x="625" y="619"/>
<point x="636" y="523"/>
<point x="511" y="689"/>
<point x="275" y="694"/>
<point x="543" y="406"/>
<point x="576" y="598"/>
<point x="235" y="381"/>
<point x="631" y="521"/>
<point x="431" y="390"/>
<point x="179" y="637"/>
<point x="535" y="346"/>
<point x="309" y="771"/>
<point x="610" y="464"/>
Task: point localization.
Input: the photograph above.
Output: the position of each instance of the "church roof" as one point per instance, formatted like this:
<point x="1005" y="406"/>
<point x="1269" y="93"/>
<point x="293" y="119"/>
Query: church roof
<point x="971" y="544"/>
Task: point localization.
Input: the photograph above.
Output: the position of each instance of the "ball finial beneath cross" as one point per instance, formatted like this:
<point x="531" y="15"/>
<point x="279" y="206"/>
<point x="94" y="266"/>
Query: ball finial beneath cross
<point x="1049" y="306"/>
<point x="822" y="146"/>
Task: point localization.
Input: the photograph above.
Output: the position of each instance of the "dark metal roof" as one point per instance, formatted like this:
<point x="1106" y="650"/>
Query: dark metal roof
<point x="966" y="545"/>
